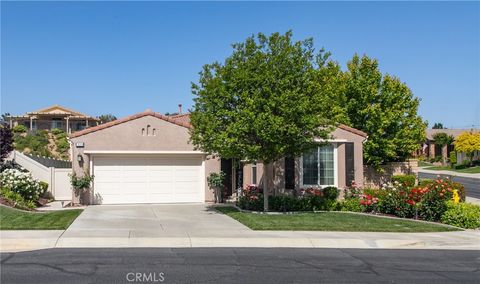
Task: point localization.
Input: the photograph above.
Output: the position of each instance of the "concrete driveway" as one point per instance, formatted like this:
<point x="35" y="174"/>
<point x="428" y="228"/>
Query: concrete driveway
<point x="152" y="221"/>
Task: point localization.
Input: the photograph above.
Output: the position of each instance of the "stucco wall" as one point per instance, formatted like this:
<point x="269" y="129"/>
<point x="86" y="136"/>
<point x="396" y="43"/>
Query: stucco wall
<point x="375" y="178"/>
<point x="277" y="171"/>
<point x="128" y="137"/>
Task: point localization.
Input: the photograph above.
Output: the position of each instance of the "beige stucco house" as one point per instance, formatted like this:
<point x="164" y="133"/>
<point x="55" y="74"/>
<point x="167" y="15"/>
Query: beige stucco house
<point x="55" y="116"/>
<point x="148" y="158"/>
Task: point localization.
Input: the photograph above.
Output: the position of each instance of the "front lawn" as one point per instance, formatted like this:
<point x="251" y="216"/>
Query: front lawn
<point x="330" y="221"/>
<point x="12" y="219"/>
<point x="472" y="170"/>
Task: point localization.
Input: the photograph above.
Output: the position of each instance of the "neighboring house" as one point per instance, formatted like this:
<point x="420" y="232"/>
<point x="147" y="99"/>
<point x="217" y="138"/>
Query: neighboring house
<point x="54" y="117"/>
<point x="430" y="150"/>
<point x="148" y="158"/>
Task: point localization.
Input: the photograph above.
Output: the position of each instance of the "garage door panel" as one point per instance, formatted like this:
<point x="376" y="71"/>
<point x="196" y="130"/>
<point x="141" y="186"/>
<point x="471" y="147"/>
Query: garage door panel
<point x="147" y="179"/>
<point x="120" y="199"/>
<point x="161" y="188"/>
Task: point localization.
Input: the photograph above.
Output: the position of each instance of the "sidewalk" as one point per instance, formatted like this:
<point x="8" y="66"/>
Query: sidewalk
<point x="33" y="240"/>
<point x="451" y="173"/>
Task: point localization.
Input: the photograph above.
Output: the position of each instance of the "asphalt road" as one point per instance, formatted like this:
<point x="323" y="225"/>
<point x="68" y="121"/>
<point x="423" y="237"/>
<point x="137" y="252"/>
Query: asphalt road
<point x="472" y="185"/>
<point x="240" y="265"/>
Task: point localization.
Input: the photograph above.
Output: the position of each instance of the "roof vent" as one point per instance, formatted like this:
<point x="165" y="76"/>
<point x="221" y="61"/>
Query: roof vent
<point x="179" y="108"/>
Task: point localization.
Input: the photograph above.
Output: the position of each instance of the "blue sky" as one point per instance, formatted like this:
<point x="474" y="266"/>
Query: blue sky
<point x="124" y="57"/>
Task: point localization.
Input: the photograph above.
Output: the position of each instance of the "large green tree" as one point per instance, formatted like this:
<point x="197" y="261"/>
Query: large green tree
<point x="271" y="97"/>
<point x="385" y="108"/>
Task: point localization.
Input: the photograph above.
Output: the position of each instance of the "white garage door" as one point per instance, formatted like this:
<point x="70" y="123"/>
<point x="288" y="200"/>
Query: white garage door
<point x="148" y="179"/>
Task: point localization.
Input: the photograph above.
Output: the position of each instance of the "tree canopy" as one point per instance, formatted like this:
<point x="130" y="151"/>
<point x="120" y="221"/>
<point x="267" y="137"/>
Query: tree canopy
<point x="438" y="125"/>
<point x="6" y="142"/>
<point x="468" y="143"/>
<point x="104" y="118"/>
<point x="443" y="139"/>
<point x="271" y="97"/>
<point x="385" y="108"/>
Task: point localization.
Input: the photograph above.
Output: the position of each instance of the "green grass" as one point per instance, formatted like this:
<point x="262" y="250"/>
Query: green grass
<point x="424" y="164"/>
<point x="330" y="221"/>
<point x="12" y="219"/>
<point x="472" y="170"/>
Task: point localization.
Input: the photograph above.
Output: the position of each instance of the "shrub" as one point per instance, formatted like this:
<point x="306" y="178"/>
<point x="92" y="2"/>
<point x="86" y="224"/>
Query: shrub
<point x="330" y="193"/>
<point x="79" y="184"/>
<point x="43" y="186"/>
<point x="57" y="131"/>
<point x="22" y="183"/>
<point x="462" y="215"/>
<point x="453" y="159"/>
<point x="36" y="142"/>
<point x="11" y="164"/>
<point x="424" y="181"/>
<point x="405" y="180"/>
<point x="19" y="129"/>
<point x="310" y="199"/>
<point x="352" y="205"/>
<point x="16" y="199"/>
<point x="62" y="145"/>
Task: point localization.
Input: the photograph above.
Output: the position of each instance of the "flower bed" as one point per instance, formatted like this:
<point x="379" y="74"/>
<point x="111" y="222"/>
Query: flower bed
<point x="428" y="201"/>
<point x="309" y="199"/>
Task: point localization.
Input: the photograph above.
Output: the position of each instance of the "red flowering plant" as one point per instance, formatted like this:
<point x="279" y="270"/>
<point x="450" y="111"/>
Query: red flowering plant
<point x="353" y="191"/>
<point x="434" y="198"/>
<point x="368" y="202"/>
<point x="251" y="198"/>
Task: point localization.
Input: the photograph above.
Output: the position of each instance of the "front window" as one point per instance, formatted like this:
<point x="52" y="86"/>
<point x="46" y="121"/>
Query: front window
<point x="319" y="166"/>
<point x="57" y="123"/>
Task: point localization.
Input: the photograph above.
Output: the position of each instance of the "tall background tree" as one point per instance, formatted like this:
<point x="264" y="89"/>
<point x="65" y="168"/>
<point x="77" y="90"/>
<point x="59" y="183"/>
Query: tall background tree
<point x="385" y="108"/>
<point x="438" y="125"/>
<point x="6" y="142"/>
<point x="468" y="143"/>
<point x="104" y="118"/>
<point x="269" y="98"/>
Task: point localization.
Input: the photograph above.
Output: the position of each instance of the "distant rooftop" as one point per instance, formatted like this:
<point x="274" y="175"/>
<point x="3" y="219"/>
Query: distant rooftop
<point x="453" y="132"/>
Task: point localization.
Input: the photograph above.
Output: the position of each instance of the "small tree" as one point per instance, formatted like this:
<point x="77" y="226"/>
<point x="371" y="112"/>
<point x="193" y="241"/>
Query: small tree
<point x="468" y="143"/>
<point x="80" y="184"/>
<point x="6" y="143"/>
<point x="271" y="97"/>
<point x="104" y="118"/>
<point x="442" y="139"/>
<point x="216" y="181"/>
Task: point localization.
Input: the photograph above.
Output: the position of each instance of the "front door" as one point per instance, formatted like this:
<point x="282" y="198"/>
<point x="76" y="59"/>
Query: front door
<point x="226" y="167"/>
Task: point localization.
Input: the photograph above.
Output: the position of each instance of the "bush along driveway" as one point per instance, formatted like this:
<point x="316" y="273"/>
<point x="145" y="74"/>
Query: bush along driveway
<point x="14" y="219"/>
<point x="330" y="221"/>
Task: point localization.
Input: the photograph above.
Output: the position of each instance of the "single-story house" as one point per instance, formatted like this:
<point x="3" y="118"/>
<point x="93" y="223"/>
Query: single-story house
<point x="148" y="158"/>
<point x="55" y="116"/>
<point x="431" y="150"/>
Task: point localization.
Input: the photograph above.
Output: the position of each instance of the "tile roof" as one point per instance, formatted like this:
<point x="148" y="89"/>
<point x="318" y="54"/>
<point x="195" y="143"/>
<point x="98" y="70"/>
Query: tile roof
<point x="352" y="130"/>
<point x="454" y="132"/>
<point x="178" y="121"/>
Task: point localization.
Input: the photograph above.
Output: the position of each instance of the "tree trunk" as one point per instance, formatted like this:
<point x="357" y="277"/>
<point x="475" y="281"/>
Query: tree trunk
<point x="265" y="186"/>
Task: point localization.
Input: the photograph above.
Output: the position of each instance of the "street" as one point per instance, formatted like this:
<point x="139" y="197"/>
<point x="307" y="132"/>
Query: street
<point x="239" y="265"/>
<point x="472" y="185"/>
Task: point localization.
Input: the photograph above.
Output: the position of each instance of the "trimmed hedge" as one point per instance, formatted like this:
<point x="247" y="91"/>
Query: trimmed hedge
<point x="462" y="215"/>
<point x="405" y="180"/>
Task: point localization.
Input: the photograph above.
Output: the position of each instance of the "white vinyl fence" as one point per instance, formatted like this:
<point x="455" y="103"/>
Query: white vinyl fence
<point x="57" y="178"/>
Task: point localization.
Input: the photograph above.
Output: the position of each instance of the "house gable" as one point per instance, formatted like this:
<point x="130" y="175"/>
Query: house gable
<point x="56" y="109"/>
<point x="143" y="132"/>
